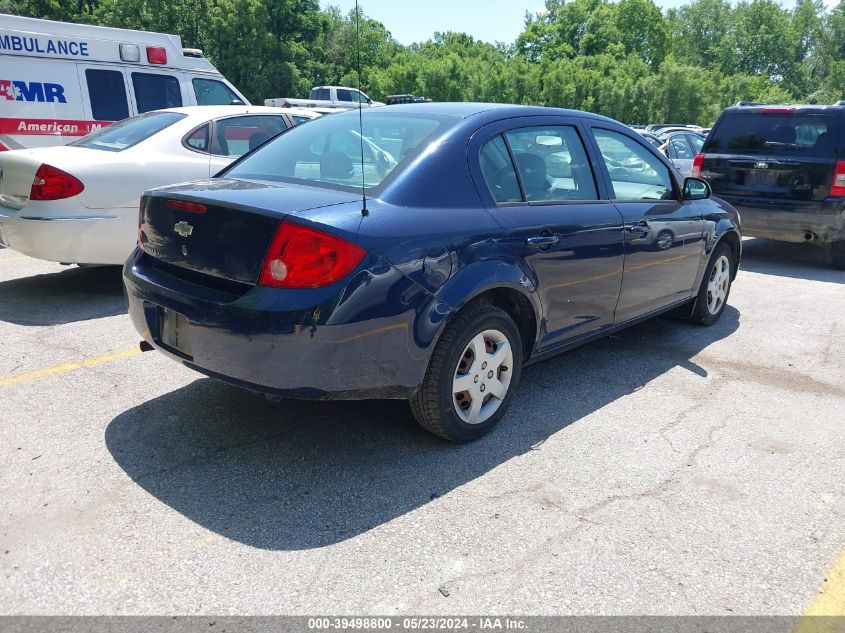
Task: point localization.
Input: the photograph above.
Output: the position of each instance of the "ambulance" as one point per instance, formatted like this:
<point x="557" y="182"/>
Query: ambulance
<point x="60" y="81"/>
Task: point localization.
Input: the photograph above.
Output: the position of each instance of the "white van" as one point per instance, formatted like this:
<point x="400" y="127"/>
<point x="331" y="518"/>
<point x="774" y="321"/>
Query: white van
<point x="60" y="81"/>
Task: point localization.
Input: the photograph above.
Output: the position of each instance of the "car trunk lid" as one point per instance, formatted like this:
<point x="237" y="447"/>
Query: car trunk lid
<point x="17" y="173"/>
<point x="228" y="229"/>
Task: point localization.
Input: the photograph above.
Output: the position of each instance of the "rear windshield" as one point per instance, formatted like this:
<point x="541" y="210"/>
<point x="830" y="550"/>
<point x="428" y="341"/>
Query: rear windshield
<point x="129" y="132"/>
<point x="328" y="150"/>
<point x="755" y="133"/>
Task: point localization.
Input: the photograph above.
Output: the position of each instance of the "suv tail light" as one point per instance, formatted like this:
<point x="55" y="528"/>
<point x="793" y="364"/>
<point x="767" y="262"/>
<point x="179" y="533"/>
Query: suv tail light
<point x="697" y="162"/>
<point x="837" y="186"/>
<point x="302" y="257"/>
<point x="51" y="183"/>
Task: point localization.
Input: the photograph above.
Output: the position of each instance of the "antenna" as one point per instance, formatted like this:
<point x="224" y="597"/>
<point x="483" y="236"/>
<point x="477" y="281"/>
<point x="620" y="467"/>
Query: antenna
<point x="364" y="211"/>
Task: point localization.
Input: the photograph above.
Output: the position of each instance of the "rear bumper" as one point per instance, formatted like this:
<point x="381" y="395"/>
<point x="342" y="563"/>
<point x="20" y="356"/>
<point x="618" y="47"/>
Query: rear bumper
<point x="71" y="235"/>
<point x="272" y="341"/>
<point x="822" y="222"/>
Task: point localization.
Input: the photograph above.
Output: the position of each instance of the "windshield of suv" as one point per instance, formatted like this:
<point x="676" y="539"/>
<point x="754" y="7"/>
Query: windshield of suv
<point x="806" y="134"/>
<point x="124" y="134"/>
<point x="328" y="150"/>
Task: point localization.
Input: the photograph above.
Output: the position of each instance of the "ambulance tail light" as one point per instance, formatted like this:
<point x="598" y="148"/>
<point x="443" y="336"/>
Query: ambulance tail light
<point x="156" y="54"/>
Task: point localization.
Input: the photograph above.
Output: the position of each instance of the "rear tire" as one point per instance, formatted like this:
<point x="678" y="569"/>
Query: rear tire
<point x="715" y="286"/>
<point x="480" y="350"/>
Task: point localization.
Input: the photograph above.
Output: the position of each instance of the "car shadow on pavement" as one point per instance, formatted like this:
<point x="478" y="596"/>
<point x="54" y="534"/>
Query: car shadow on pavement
<point x="785" y="259"/>
<point x="74" y="294"/>
<point x="302" y="475"/>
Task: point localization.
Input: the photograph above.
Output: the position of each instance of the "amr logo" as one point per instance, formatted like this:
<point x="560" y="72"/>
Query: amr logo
<point x="31" y="91"/>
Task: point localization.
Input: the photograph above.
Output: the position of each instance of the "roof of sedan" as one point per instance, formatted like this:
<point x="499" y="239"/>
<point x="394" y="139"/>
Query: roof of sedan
<point x="212" y="112"/>
<point x="465" y="110"/>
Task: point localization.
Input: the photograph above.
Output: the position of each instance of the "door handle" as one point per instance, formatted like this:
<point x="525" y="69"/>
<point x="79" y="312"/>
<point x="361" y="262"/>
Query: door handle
<point x="641" y="228"/>
<point x="539" y="241"/>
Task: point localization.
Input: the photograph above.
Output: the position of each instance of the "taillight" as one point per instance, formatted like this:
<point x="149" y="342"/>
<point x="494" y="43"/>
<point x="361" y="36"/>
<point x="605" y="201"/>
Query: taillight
<point x="302" y="257"/>
<point x="777" y="111"/>
<point x="837" y="186"/>
<point x="697" y="163"/>
<point x="51" y="183"/>
<point x="187" y="207"/>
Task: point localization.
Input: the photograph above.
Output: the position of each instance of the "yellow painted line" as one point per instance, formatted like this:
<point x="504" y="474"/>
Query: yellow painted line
<point x="66" y="367"/>
<point x="826" y="613"/>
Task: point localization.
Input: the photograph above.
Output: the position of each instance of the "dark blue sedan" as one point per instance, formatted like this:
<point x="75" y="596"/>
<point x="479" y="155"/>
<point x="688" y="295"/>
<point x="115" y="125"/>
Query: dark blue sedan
<point x="429" y="258"/>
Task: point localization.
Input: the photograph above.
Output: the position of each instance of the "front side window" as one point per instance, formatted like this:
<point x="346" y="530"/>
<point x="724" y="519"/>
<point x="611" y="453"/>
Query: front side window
<point x="635" y="173"/>
<point x="107" y="94"/>
<point x="238" y="135"/>
<point x="156" y="92"/>
<point x="129" y="132"/>
<point x="327" y="151"/>
<point x="552" y="164"/>
<point x="212" y="92"/>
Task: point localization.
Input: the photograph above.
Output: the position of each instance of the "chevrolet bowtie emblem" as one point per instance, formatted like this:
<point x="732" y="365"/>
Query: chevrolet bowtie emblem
<point x="183" y="228"/>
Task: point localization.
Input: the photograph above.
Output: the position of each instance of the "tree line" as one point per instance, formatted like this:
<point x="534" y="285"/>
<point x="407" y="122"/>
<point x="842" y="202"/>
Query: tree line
<point x="625" y="59"/>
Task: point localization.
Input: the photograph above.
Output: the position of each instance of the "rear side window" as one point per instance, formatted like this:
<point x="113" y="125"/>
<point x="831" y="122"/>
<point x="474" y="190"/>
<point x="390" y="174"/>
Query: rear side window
<point x="344" y="95"/>
<point x="238" y="135"/>
<point x="199" y="140"/>
<point x="212" y="92"/>
<point x="129" y="132"/>
<point x="681" y="147"/>
<point x="107" y="94"/>
<point x="697" y="142"/>
<point x="320" y="94"/>
<point x="799" y="134"/>
<point x="156" y="92"/>
<point x="498" y="171"/>
<point x="552" y="164"/>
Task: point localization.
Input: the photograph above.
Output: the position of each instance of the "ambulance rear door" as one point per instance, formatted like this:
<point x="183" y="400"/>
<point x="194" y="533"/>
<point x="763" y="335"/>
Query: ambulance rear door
<point x="105" y="93"/>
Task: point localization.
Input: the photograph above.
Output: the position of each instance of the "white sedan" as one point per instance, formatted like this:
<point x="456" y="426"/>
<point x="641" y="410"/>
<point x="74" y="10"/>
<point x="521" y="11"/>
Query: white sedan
<point x="78" y="203"/>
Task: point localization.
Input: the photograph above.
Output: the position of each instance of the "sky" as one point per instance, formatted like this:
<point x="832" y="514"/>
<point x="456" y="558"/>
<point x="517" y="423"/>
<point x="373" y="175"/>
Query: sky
<point x="488" y="20"/>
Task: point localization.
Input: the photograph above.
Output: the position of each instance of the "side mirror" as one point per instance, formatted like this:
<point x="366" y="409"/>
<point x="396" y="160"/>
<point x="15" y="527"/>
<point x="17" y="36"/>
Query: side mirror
<point x="696" y="189"/>
<point x="236" y="102"/>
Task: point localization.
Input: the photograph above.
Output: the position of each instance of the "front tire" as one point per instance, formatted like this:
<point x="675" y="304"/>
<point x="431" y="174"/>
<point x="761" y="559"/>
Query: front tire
<point x="472" y="375"/>
<point x="715" y="286"/>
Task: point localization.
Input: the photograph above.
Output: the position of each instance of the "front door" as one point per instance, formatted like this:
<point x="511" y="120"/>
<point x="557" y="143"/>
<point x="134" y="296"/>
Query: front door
<point x="664" y="239"/>
<point x="568" y="242"/>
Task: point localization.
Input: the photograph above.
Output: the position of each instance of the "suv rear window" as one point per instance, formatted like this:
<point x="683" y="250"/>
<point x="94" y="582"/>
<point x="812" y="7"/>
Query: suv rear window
<point x="801" y="134"/>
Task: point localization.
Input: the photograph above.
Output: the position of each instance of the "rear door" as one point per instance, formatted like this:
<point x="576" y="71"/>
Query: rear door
<point x="776" y="158"/>
<point x="41" y="103"/>
<point x="663" y="235"/>
<point x="105" y="93"/>
<point x="535" y="178"/>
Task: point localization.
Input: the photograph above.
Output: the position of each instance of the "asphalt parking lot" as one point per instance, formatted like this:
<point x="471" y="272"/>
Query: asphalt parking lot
<point x="669" y="470"/>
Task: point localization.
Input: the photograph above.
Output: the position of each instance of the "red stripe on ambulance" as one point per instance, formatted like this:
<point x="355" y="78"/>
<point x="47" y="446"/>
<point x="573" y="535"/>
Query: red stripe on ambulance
<point x="49" y="127"/>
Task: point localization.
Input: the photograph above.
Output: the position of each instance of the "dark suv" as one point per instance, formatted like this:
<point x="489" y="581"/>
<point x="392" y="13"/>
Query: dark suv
<point x="783" y="168"/>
